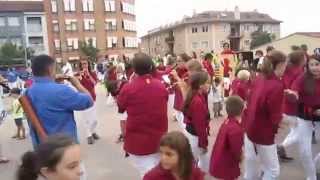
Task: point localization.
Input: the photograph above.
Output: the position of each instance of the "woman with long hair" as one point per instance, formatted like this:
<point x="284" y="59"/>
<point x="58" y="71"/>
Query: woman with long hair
<point x="176" y="162"/>
<point x="88" y="79"/>
<point x="262" y="119"/>
<point x="306" y="89"/>
<point x="196" y="115"/>
<point x="56" y="159"/>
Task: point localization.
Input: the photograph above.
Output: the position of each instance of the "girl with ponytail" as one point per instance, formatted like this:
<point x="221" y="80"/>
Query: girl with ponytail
<point x="56" y="159"/>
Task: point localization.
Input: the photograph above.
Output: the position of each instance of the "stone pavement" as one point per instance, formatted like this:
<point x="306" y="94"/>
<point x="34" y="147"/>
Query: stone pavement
<point x="105" y="159"/>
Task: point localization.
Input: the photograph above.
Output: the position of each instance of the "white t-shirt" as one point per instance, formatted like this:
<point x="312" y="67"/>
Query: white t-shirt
<point x="217" y="94"/>
<point x="260" y="61"/>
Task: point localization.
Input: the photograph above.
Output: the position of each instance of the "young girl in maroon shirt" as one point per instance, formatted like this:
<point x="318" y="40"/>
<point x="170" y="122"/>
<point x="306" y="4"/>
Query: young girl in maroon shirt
<point x="177" y="162"/>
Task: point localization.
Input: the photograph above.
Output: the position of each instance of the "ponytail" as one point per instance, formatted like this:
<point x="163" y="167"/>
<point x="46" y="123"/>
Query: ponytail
<point x="29" y="169"/>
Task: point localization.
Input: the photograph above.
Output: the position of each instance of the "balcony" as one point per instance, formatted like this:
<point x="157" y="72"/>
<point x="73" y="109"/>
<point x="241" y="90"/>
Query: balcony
<point x="235" y="35"/>
<point x="170" y="40"/>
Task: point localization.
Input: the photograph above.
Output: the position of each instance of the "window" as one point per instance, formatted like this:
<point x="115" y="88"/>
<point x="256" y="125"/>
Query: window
<point x="54" y="6"/>
<point x="2" y="21"/>
<point x="17" y="41"/>
<point x="71" y="25"/>
<point x="205" y="28"/>
<point x="55" y="25"/>
<point x="34" y="24"/>
<point x="226" y="28"/>
<point x="127" y="8"/>
<point x="87" y="5"/>
<point x="111" y="24"/>
<point x="69" y="5"/>
<point x="57" y="44"/>
<point x="110" y="5"/>
<point x="13" y="21"/>
<point x="194" y="29"/>
<point x="112" y="42"/>
<point x="195" y="45"/>
<point x="247" y="42"/>
<point x="91" y="40"/>
<point x="72" y="44"/>
<point x="130" y="42"/>
<point x="204" y="44"/>
<point x="89" y="24"/>
<point x="129" y="25"/>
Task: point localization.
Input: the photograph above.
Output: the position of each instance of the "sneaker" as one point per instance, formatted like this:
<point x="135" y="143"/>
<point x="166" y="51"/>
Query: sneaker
<point x="283" y="155"/>
<point x="90" y="140"/>
<point x="95" y="136"/>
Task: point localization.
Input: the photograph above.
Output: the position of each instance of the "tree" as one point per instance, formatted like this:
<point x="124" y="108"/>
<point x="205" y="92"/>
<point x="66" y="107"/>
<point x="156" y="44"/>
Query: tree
<point x="259" y="38"/>
<point x="87" y="49"/>
<point x="11" y="54"/>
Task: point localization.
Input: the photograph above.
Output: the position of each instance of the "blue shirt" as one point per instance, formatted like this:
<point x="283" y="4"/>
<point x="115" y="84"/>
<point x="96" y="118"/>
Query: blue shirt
<point x="54" y="105"/>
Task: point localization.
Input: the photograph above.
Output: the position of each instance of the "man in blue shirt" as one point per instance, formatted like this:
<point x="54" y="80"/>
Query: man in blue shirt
<point x="55" y="103"/>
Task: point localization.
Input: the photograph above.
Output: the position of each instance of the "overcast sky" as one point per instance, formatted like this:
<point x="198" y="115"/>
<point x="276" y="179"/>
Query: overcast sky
<point x="296" y="15"/>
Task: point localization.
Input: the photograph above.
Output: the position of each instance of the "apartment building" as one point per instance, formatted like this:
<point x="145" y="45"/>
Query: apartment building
<point x="109" y="25"/>
<point x="24" y="23"/>
<point x="208" y="31"/>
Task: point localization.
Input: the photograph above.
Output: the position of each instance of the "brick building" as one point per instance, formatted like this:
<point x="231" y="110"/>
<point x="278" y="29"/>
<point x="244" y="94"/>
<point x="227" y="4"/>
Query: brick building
<point x="108" y="24"/>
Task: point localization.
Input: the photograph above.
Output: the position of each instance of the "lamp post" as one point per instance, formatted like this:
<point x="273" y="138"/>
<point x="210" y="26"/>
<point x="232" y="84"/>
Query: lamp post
<point x="25" y="49"/>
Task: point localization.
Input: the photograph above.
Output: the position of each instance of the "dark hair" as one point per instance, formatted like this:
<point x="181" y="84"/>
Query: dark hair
<point x="40" y="65"/>
<point x="15" y="91"/>
<point x="224" y="44"/>
<point x="234" y="106"/>
<point x="217" y="80"/>
<point x="196" y="80"/>
<point x="171" y="61"/>
<point x="47" y="154"/>
<point x="208" y="56"/>
<point x="271" y="61"/>
<point x="89" y="65"/>
<point x="177" y="141"/>
<point x="309" y="82"/>
<point x="185" y="57"/>
<point x="194" y="66"/>
<point x="142" y="64"/>
<point x="296" y="58"/>
<point x="194" y="55"/>
<point x="304" y="47"/>
<point x="259" y="52"/>
<point x="269" y="48"/>
<point x="295" y="48"/>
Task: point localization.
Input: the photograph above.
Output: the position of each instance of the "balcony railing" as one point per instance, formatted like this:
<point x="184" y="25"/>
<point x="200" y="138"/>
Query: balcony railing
<point x="170" y="40"/>
<point x="235" y="35"/>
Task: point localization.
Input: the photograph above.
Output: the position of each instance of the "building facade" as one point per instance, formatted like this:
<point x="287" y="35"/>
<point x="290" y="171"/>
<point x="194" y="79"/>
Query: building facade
<point x="108" y="24"/>
<point x="208" y="31"/>
<point x="24" y="24"/>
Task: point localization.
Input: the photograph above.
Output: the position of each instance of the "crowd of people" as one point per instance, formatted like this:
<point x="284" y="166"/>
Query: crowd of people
<point x="255" y="97"/>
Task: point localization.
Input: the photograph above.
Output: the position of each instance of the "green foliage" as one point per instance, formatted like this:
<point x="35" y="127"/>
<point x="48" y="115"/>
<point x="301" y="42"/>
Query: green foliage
<point x="259" y="38"/>
<point x="87" y="49"/>
<point x="11" y="54"/>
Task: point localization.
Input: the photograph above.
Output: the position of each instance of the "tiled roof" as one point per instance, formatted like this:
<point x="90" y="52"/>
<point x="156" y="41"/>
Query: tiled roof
<point x="21" y="6"/>
<point x="220" y="16"/>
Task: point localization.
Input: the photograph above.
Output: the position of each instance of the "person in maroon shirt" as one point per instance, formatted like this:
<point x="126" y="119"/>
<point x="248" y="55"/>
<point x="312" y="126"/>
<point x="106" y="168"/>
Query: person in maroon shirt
<point x="88" y="79"/>
<point x="241" y="85"/>
<point x="306" y="89"/>
<point x="227" y="150"/>
<point x="207" y="64"/>
<point x="262" y="118"/>
<point x="145" y="101"/>
<point x="177" y="162"/>
<point x="294" y="69"/>
<point x="197" y="117"/>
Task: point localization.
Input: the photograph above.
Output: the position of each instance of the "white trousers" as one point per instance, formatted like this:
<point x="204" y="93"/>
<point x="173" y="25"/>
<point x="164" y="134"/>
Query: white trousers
<point x="202" y="159"/>
<point x="144" y="163"/>
<point x="304" y="130"/>
<point x="180" y="118"/>
<point x="84" y="175"/>
<point x="268" y="157"/>
<point x="293" y="136"/>
<point x="91" y="122"/>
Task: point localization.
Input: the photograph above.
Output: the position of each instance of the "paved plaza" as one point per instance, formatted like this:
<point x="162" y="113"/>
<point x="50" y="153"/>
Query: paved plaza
<point x="105" y="160"/>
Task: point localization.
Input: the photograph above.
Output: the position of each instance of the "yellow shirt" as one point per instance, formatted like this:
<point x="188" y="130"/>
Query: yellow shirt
<point x="17" y="111"/>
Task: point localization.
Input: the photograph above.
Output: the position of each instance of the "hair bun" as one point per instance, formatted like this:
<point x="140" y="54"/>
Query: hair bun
<point x="29" y="168"/>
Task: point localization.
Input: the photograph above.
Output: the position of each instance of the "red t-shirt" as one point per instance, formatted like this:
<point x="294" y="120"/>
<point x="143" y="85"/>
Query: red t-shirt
<point x="89" y="85"/>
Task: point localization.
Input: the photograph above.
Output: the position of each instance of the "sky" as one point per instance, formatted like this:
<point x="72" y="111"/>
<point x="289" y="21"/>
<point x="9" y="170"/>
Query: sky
<point x="297" y="16"/>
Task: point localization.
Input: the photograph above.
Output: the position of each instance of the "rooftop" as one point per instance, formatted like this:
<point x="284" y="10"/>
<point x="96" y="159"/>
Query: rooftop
<point x="21" y="6"/>
<point x="219" y="16"/>
<point x="311" y="34"/>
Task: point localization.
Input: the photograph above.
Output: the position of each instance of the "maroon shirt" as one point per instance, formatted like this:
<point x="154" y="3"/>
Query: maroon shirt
<point x="145" y="101"/>
<point x="309" y="102"/>
<point x="178" y="97"/>
<point x="89" y="85"/>
<point x="112" y="74"/>
<point x="241" y="88"/>
<point x="291" y="74"/>
<point x="264" y="111"/>
<point x="227" y="151"/>
<point x="208" y="66"/>
<point x="158" y="173"/>
<point x="198" y="116"/>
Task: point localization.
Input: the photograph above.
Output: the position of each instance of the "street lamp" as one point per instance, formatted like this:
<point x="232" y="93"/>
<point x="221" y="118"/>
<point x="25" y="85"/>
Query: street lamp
<point x="25" y="49"/>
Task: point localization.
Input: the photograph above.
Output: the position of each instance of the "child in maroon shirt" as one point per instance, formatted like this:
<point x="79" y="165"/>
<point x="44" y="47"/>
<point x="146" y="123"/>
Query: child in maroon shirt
<point x="176" y="161"/>
<point x="227" y="151"/>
